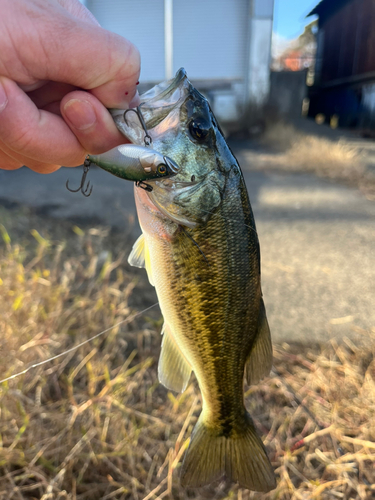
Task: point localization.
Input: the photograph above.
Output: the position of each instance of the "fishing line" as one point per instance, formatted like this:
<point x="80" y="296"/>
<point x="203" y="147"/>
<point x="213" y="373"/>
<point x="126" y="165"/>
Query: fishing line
<point x="229" y="220"/>
<point x="35" y="365"/>
<point x="195" y="243"/>
<point x="128" y="320"/>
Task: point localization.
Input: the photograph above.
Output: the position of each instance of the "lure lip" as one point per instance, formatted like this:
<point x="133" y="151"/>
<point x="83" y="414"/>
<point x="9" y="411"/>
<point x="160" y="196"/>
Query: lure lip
<point x="172" y="165"/>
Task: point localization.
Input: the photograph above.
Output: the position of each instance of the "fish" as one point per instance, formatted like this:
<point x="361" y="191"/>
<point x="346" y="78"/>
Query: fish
<point x="200" y="248"/>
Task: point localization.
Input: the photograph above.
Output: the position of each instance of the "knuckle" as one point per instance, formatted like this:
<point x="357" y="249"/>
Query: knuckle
<point x="42" y="168"/>
<point x="125" y="58"/>
<point x="7" y="162"/>
<point x="18" y="140"/>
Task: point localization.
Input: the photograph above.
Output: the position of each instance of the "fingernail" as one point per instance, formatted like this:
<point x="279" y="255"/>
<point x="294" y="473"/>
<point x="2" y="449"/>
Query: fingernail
<point x="3" y="98"/>
<point x="80" y="114"/>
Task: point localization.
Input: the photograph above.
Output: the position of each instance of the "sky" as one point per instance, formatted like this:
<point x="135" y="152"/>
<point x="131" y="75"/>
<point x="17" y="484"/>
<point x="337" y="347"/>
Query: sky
<point x="289" y="17"/>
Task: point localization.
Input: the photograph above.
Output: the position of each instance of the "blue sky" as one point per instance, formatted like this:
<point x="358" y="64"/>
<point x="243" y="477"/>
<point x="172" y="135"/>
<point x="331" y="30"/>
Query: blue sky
<point x="289" y="16"/>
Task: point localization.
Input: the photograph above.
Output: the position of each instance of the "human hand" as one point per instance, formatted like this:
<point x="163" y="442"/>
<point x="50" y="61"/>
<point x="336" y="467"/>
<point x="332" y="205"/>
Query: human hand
<point x="59" y="71"/>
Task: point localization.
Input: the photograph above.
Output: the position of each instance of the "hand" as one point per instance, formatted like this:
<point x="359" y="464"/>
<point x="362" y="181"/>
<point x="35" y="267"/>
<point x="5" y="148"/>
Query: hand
<point x="59" y="71"/>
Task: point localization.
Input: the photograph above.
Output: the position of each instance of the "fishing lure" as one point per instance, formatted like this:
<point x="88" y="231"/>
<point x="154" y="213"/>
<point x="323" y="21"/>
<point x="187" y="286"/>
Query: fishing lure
<point x="131" y="162"/>
<point x="135" y="163"/>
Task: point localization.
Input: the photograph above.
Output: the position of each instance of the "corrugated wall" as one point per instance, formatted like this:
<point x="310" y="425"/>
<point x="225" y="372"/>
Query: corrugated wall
<point x="141" y="22"/>
<point x="210" y="38"/>
<point x="349" y="41"/>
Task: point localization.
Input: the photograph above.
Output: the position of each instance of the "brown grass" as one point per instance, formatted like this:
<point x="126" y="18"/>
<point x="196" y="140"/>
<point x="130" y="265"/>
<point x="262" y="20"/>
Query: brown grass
<point x="95" y="423"/>
<point x="296" y="151"/>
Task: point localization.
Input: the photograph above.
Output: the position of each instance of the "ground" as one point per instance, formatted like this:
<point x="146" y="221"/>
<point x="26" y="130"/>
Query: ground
<point x="316" y="234"/>
<point x="94" y="423"/>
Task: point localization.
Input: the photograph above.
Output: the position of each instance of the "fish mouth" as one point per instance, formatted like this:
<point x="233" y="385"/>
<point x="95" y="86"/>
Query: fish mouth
<point x="156" y="104"/>
<point x="165" y="90"/>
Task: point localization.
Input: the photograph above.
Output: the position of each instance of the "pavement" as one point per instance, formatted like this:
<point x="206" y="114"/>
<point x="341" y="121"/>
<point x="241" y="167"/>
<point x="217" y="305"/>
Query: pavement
<point x="317" y="242"/>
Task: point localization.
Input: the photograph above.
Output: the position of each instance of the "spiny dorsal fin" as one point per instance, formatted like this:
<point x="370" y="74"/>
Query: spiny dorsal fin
<point x="259" y="362"/>
<point x="173" y="370"/>
<point x="140" y="257"/>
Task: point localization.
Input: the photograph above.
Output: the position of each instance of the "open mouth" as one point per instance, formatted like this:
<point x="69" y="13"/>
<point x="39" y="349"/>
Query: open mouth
<point x="156" y="104"/>
<point x="164" y="89"/>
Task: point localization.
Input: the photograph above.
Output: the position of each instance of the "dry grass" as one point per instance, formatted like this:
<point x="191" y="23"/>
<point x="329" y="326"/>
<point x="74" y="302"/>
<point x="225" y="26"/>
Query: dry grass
<point x="95" y="423"/>
<point x="295" y="151"/>
<point x="313" y="153"/>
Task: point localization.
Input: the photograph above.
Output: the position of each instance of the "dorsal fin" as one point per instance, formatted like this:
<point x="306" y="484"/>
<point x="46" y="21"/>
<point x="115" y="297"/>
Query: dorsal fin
<point x="259" y="361"/>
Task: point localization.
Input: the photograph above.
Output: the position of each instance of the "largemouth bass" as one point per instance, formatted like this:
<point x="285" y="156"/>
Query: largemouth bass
<point x="200" y="248"/>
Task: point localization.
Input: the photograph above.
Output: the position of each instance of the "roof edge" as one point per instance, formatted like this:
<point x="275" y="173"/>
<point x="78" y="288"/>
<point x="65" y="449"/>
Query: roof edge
<point x="315" y="10"/>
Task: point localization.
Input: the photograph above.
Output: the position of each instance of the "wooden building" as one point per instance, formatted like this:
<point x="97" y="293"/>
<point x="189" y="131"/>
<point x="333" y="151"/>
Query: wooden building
<point x="345" y="62"/>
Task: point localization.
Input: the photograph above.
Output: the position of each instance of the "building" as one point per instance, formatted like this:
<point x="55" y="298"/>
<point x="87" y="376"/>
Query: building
<point x="297" y="54"/>
<point x="224" y="45"/>
<point x="345" y="62"/>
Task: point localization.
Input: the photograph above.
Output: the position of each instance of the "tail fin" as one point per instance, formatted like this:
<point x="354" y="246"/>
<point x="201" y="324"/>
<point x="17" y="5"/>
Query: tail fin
<point x="242" y="458"/>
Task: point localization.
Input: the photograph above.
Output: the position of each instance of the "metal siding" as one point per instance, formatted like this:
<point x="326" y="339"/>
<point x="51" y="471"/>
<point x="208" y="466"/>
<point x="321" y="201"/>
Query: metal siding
<point x="263" y="8"/>
<point x="210" y="38"/>
<point x="142" y="23"/>
<point x="319" y="55"/>
<point x="349" y="41"/>
<point x="259" y="60"/>
<point x="367" y="47"/>
<point x="331" y="52"/>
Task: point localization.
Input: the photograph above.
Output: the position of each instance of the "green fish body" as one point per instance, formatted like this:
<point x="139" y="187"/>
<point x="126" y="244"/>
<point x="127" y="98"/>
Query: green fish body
<point x="200" y="248"/>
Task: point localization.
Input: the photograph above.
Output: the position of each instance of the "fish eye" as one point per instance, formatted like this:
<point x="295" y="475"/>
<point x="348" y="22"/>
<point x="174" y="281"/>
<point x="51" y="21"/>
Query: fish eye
<point x="199" y="129"/>
<point x="162" y="169"/>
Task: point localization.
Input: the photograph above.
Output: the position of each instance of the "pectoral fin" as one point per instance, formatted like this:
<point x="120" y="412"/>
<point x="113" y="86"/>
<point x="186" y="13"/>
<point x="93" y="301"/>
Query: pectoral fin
<point x="173" y="370"/>
<point x="259" y="362"/>
<point x="140" y="257"/>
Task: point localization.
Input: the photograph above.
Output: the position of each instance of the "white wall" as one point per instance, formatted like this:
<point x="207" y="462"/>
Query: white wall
<point x="259" y="55"/>
<point x="226" y="40"/>
<point x="210" y="38"/>
<point x="259" y="59"/>
<point x="141" y="22"/>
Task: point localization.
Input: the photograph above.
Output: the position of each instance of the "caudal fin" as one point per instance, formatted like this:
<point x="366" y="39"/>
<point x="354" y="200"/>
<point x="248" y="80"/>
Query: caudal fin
<point x="243" y="459"/>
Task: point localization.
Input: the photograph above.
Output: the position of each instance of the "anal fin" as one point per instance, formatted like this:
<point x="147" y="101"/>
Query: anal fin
<point x="259" y="362"/>
<point x="173" y="370"/>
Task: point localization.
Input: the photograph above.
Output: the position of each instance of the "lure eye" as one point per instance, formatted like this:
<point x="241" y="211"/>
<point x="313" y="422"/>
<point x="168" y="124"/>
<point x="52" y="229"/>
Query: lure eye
<point x="162" y="169"/>
<point x="199" y="129"/>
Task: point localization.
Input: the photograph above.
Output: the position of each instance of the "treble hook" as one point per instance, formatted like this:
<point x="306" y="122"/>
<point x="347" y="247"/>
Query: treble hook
<point x="138" y="112"/>
<point x="84" y="190"/>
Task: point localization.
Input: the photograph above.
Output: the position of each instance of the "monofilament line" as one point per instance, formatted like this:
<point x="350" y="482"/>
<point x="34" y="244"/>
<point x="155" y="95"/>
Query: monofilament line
<point x="35" y="365"/>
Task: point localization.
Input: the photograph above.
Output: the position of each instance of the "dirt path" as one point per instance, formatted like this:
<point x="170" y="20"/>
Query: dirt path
<point x="317" y="241"/>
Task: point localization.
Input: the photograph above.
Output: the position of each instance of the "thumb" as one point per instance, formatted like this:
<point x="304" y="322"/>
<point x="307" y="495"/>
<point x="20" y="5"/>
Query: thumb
<point x="72" y="50"/>
<point x="95" y="59"/>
